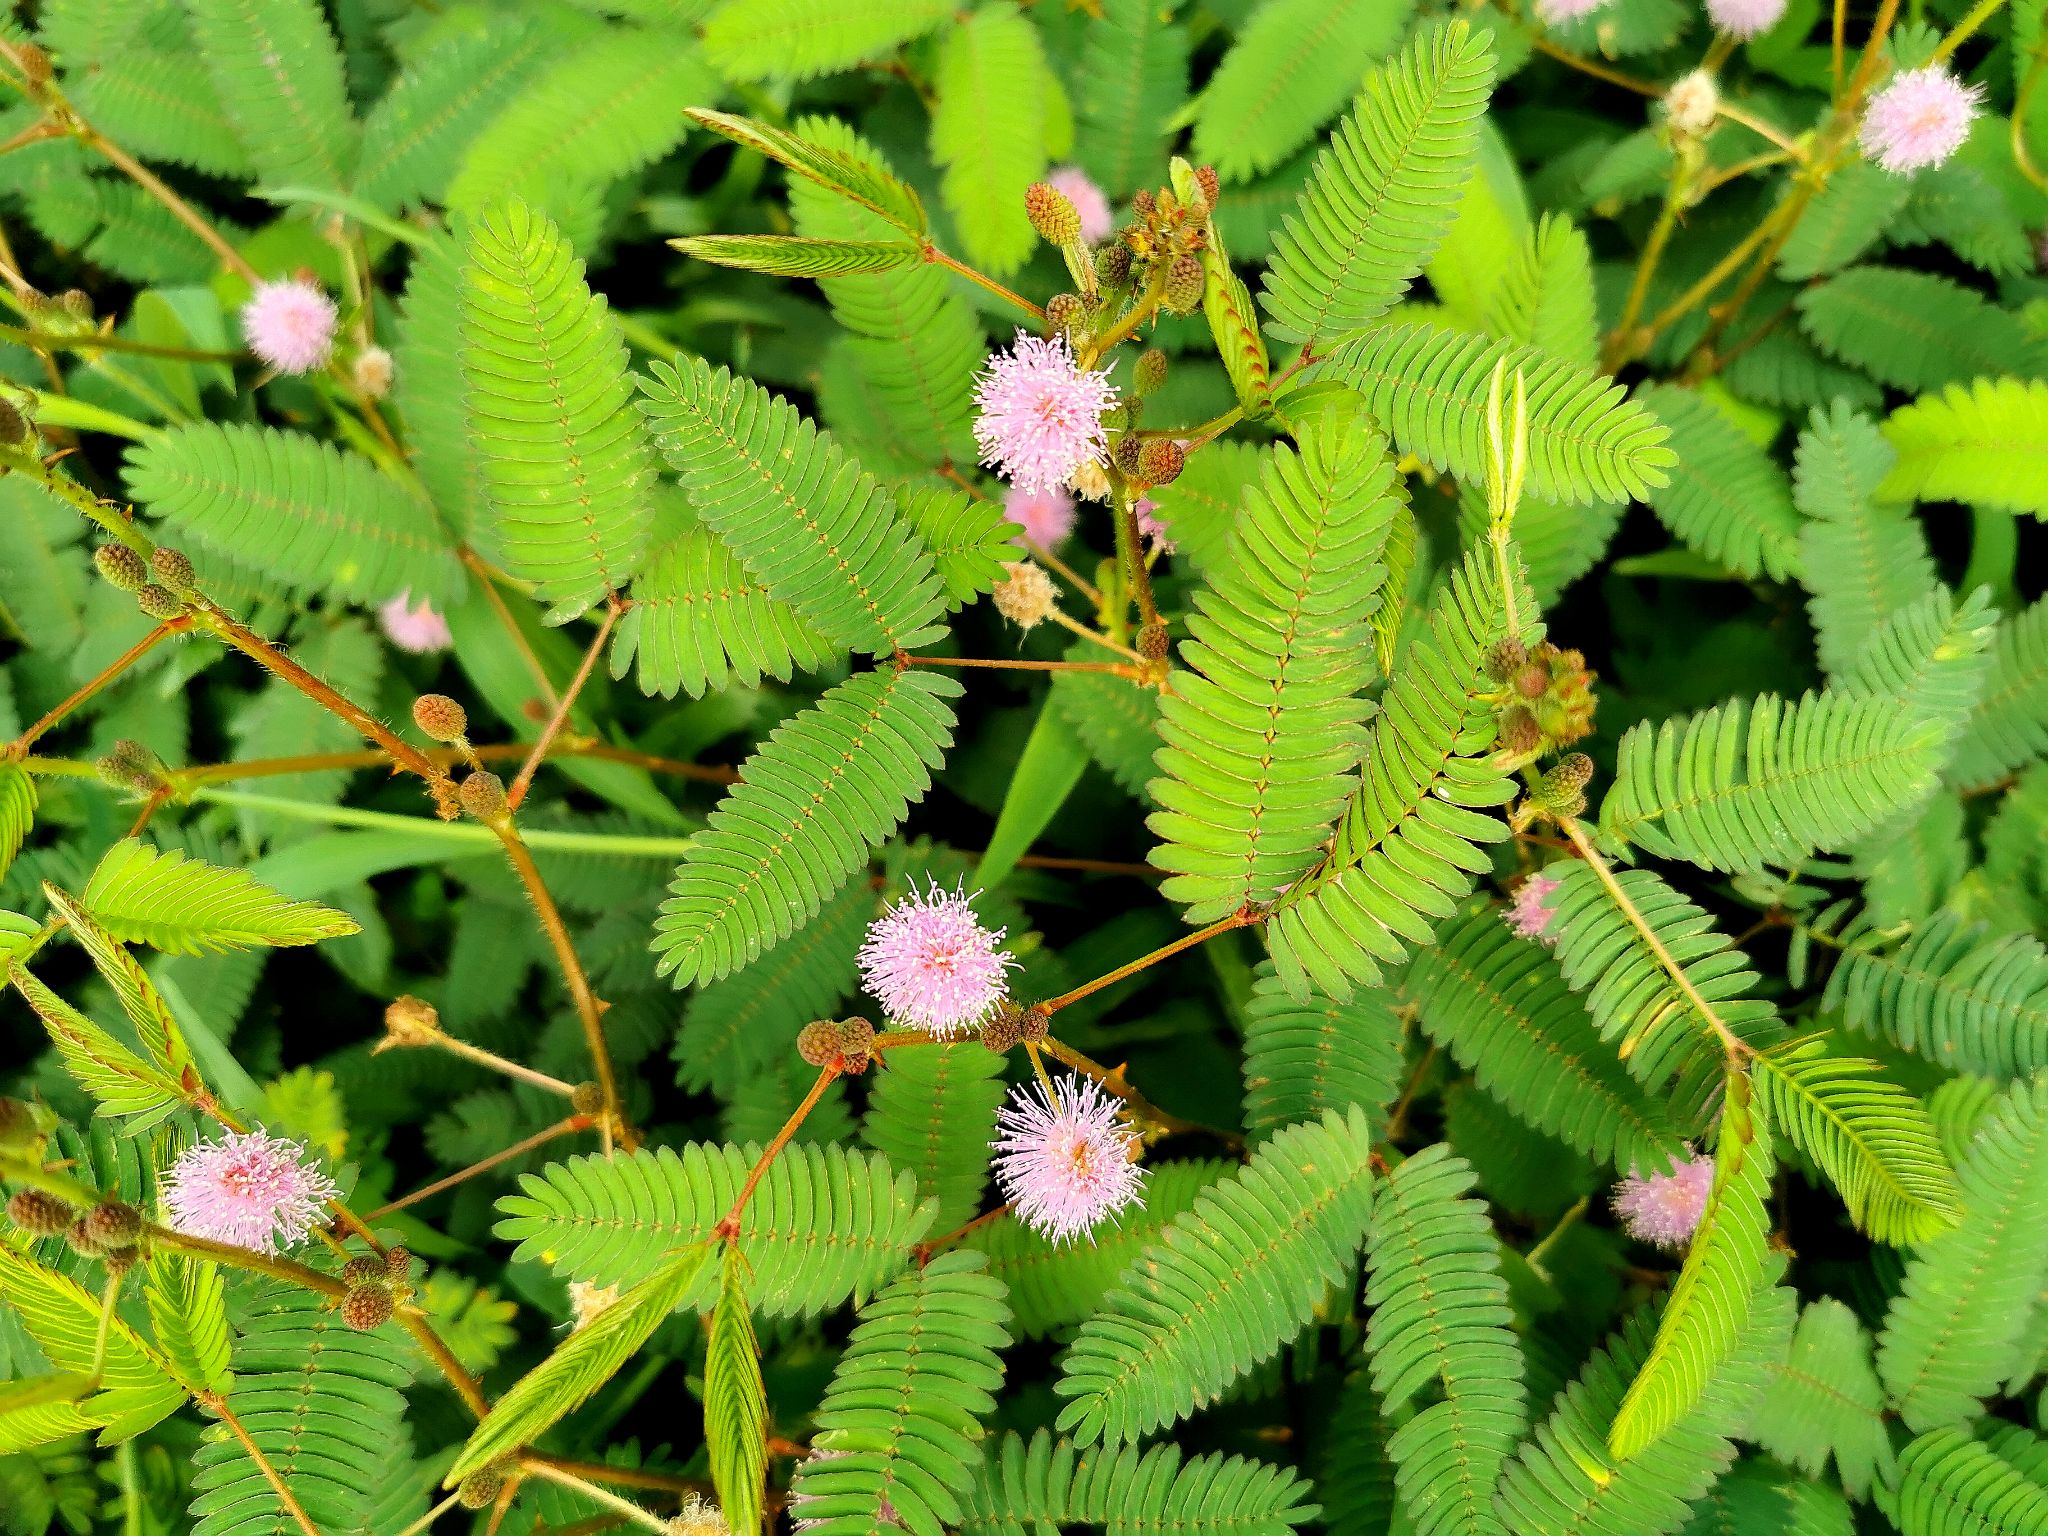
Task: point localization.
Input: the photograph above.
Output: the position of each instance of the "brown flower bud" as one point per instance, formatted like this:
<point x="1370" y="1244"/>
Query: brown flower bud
<point x="121" y="566"/>
<point x="33" y="62"/>
<point x="39" y="1213"/>
<point x="1533" y="681"/>
<point x="158" y="602"/>
<point x="398" y="1265"/>
<point x="1025" y="596"/>
<point x="818" y="1042"/>
<point x="1206" y="179"/>
<point x="1051" y="214"/>
<point x="1184" y="285"/>
<point x="366" y="1270"/>
<point x="439" y="717"/>
<point x="172" y="568"/>
<point x="79" y="1236"/>
<point x="856" y="1039"/>
<point x="1152" y="641"/>
<point x="120" y="1260"/>
<point x="1143" y="204"/>
<point x="999" y="1032"/>
<point x="1519" y="731"/>
<point x="1113" y="265"/>
<point x="14" y="425"/>
<point x="114" y="1224"/>
<point x="480" y="1489"/>
<point x="1033" y="1023"/>
<point x="132" y="766"/>
<point x="366" y="1307"/>
<point x="1161" y="461"/>
<point x="586" y="1099"/>
<point x="1150" y="372"/>
<point x="1126" y="452"/>
<point x="483" y="796"/>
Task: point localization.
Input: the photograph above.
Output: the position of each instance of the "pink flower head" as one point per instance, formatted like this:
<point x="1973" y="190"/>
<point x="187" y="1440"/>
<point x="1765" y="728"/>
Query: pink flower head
<point x="1918" y="120"/>
<point x="1041" y="415"/>
<point x="1072" y="183"/>
<point x="886" y="1511"/>
<point x="1152" y="527"/>
<point x="1530" y="913"/>
<point x="1557" y="12"/>
<point x="1046" y="517"/>
<point x="248" y="1190"/>
<point x="1665" y="1208"/>
<point x="290" y="325"/>
<point x="1745" y="18"/>
<point x="1063" y="1158"/>
<point x="414" y="627"/>
<point x="931" y="964"/>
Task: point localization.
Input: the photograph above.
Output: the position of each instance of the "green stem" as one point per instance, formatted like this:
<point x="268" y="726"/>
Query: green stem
<point x="469" y="833"/>
<point x="1980" y="13"/>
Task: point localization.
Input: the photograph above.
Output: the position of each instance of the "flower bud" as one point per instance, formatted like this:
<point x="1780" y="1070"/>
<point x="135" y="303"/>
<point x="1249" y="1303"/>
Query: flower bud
<point x="132" y="766"/>
<point x="398" y="1265"/>
<point x="158" y="602"/>
<point x="1034" y="1023"/>
<point x="483" y="796"/>
<point x="818" y="1043"/>
<point x="79" y="1236"/>
<point x="39" y="1213"/>
<point x="33" y="62"/>
<point x="20" y="1126"/>
<point x="439" y="717"/>
<point x="121" y="566"/>
<point x="76" y="303"/>
<point x="365" y="1270"/>
<point x="1143" y="204"/>
<point x="373" y="372"/>
<point x="1150" y="372"/>
<point x="1127" y="451"/>
<point x="14" y="426"/>
<point x="366" y="1307"/>
<point x="1206" y="179"/>
<point x="1025" y="596"/>
<point x="1183" y="286"/>
<point x="1518" y="729"/>
<point x="1561" y="790"/>
<point x="1533" y="681"/>
<point x="1161" y="461"/>
<point x="586" y="1099"/>
<point x="1063" y="314"/>
<point x="1505" y="658"/>
<point x="1051" y="214"/>
<point x="1000" y="1031"/>
<point x="480" y="1489"/>
<point x="172" y="568"/>
<point x="114" y="1224"/>
<point x="1152" y="641"/>
<point x="120" y="1260"/>
<point x="856" y="1038"/>
<point x="1113" y="265"/>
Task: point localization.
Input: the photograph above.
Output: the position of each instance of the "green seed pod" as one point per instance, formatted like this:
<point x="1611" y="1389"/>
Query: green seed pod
<point x="121" y="566"/>
<point x="480" y="1489"/>
<point x="1113" y="265"/>
<point x="1184" y="285"/>
<point x="1150" y="372"/>
<point x="172" y="568"/>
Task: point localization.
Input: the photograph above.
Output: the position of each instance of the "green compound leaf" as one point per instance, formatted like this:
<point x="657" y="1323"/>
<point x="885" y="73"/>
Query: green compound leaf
<point x="1027" y="1487"/>
<point x="989" y="128"/>
<point x="1726" y="498"/>
<point x="735" y="1402"/>
<point x="182" y="906"/>
<point x="802" y="39"/>
<point x="1982" y="443"/>
<point x="795" y="256"/>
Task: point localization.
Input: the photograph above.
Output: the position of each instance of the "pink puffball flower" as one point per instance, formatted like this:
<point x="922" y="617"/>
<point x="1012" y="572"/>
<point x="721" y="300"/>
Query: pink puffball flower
<point x="248" y="1190"/>
<point x="414" y="627"/>
<point x="1557" y="12"/>
<point x="1665" y="1208"/>
<point x="1152" y="527"/>
<point x="1041" y="414"/>
<point x="885" y="1512"/>
<point x="1530" y="914"/>
<point x="1063" y="1158"/>
<point x="1745" y="19"/>
<point x="290" y="325"/>
<point x="1047" y="517"/>
<point x="930" y="964"/>
<point x="1918" y="120"/>
<point x="1072" y="183"/>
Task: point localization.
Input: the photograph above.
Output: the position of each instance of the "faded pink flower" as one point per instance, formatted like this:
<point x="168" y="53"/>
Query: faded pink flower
<point x="290" y="325"/>
<point x="930" y="964"/>
<point x="1557" y="12"/>
<point x="1046" y="517"/>
<point x="886" y="1511"/>
<point x="1063" y="1158"/>
<point x="1152" y="527"/>
<point x="1665" y="1208"/>
<point x="414" y="627"/>
<point x="1745" y="18"/>
<point x="1530" y="914"/>
<point x="247" y="1189"/>
<point x="1072" y="183"/>
<point x="1918" y="120"/>
<point x="1041" y="415"/>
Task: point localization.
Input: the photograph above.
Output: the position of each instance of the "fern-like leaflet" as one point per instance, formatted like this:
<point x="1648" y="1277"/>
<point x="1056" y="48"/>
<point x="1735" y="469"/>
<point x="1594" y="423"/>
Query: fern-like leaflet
<point x="1029" y="1486"/>
<point x="1304" y="1058"/>
<point x="1953" y="993"/>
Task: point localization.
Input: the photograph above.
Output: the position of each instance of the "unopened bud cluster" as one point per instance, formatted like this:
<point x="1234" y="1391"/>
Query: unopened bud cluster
<point x="1546" y="696"/>
<point x="374" y="1287"/>
<point x="111" y="1231"/>
<point x="131" y="766"/>
<point x="848" y="1043"/>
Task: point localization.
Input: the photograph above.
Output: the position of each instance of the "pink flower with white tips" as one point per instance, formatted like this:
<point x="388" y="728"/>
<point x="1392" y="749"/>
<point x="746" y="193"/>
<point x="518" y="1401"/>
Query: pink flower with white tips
<point x="1072" y="183"/>
<point x="1529" y="913"/>
<point x="249" y="1190"/>
<point x="290" y="325"/>
<point x="1557" y="12"/>
<point x="1047" y="517"/>
<point x="1745" y="18"/>
<point x="1041" y="413"/>
<point x="1152" y="527"/>
<point x="1064" y="1158"/>
<point x="1918" y="120"/>
<point x="414" y="627"/>
<point x="1665" y="1208"/>
<point x="931" y="964"/>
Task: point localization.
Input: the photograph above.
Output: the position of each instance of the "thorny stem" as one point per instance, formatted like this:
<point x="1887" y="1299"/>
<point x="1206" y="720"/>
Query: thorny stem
<point x="1135" y="316"/>
<point x="217" y="1405"/>
<point x="546" y="840"/>
<point x="64" y="488"/>
<point x="486" y="579"/>
<point x="277" y="1268"/>
<point x="1239" y="919"/>
<point x="540" y="1467"/>
<point x="1397" y="1118"/>
<point x="109" y="1294"/>
<point x="1760" y="128"/>
<point x="729" y="1228"/>
<point x="563" y="1127"/>
<point x="178" y="208"/>
<point x="1621" y="341"/>
<point x="1130" y="548"/>
<point x="625" y="1477"/>
<point x="1980" y="13"/>
<point x="517" y="793"/>
<point x="1074" y="626"/>
<point x="1535" y="1256"/>
<point x="442" y="757"/>
<point x="416" y="1323"/>
<point x="589" y="1010"/>
<point x="149" y="642"/>
<point x="933" y="254"/>
<point x="1598" y="71"/>
<point x="1060" y="568"/>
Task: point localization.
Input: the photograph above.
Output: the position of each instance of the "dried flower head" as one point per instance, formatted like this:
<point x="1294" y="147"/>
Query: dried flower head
<point x="885" y="1511"/>
<point x="1041" y="414"/>
<point x="1025" y="595"/>
<point x="698" y="1517"/>
<point x="249" y="1189"/>
<point x="1745" y="18"/>
<point x="290" y="325"/>
<point x="588" y="1301"/>
<point x="1152" y="527"/>
<point x="1064" y="1158"/>
<point x="414" y="627"/>
<point x="929" y="962"/>
<point x="373" y="372"/>
<point x="1047" y="517"/>
<point x="1530" y="914"/>
<point x="1919" y="119"/>
<point x="1692" y="101"/>
<point x="1097" y="222"/>
<point x="1665" y="1208"/>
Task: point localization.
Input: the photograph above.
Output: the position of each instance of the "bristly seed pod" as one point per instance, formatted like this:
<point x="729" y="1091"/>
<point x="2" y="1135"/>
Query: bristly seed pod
<point x="366" y="1307"/>
<point x="483" y="796"/>
<point x="121" y="566"/>
<point x="439" y="717"/>
<point x="1183" y="285"/>
<point x="586" y="1098"/>
<point x="818" y="1042"/>
<point x="365" y="1270"/>
<point x="856" y="1037"/>
<point x="1150" y="371"/>
<point x="1161" y="461"/>
<point x="114" y="1224"/>
<point x="158" y="602"/>
<point x="1033" y="1023"/>
<point x="39" y="1213"/>
<point x="172" y="568"/>
<point x="1051" y="214"/>
<point x="480" y="1489"/>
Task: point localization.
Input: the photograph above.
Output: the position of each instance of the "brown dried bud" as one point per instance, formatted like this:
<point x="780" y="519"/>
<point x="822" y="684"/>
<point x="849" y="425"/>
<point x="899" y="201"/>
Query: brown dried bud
<point x="39" y="1213"/>
<point x="439" y="717"/>
<point x="114" y="1224"/>
<point x="1184" y="286"/>
<point x="367" y="1306"/>
<point x="1519" y="731"/>
<point x="1051" y="214"/>
<point x="1505" y="659"/>
<point x="373" y="372"/>
<point x="398" y="1265"/>
<point x="586" y="1099"/>
<point x="1033" y="1023"/>
<point x="121" y="566"/>
<point x="856" y="1039"/>
<point x="483" y="796"/>
<point x="1143" y="204"/>
<point x="1113" y="265"/>
<point x="120" y="1260"/>
<point x="480" y="1489"/>
<point x="1152" y="641"/>
<point x="14" y="425"/>
<point x="1064" y="312"/>
<point x="1025" y="596"/>
<point x="172" y="568"/>
<point x="366" y="1270"/>
<point x="1161" y="461"/>
<point x="818" y="1042"/>
<point x="1150" y="372"/>
<point x="1000" y="1032"/>
<point x="1126" y="452"/>
<point x="79" y="1236"/>
<point x="409" y="1021"/>
<point x="158" y="602"/>
<point x="76" y="303"/>
<point x="1206" y="179"/>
